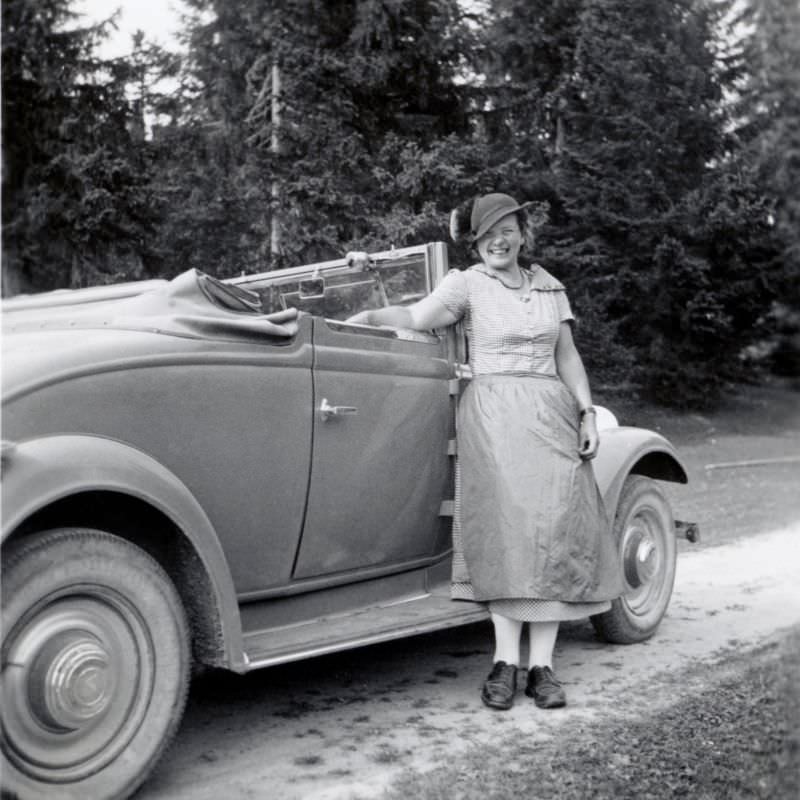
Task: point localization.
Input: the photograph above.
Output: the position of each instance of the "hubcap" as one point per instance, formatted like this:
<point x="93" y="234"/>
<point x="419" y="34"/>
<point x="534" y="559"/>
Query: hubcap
<point x="77" y="680"/>
<point x="640" y="556"/>
<point x="644" y="558"/>
<point x="71" y="681"/>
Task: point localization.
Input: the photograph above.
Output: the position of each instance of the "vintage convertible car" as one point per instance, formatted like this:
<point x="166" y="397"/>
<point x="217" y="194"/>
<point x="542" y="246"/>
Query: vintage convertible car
<point x="230" y="474"/>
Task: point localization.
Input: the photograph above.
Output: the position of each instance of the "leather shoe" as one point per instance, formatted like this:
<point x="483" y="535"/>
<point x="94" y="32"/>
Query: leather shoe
<point x="499" y="687"/>
<point x="545" y="688"/>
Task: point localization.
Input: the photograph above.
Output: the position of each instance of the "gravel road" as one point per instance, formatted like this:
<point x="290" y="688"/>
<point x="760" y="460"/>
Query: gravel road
<point x="407" y="714"/>
<point x="349" y="725"/>
<point x="729" y="731"/>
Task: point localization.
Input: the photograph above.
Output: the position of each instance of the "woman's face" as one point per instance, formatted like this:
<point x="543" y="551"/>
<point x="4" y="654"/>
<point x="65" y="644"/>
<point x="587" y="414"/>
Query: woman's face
<point x="499" y="246"/>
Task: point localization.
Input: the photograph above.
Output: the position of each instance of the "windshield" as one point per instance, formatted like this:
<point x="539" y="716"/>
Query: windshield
<point x="338" y="293"/>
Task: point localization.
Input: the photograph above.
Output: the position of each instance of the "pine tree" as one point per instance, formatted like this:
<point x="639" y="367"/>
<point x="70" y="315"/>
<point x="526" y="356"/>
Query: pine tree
<point x="526" y="60"/>
<point x="769" y="112"/>
<point x="631" y="125"/>
<point x="370" y="114"/>
<point x="75" y="204"/>
<point x="212" y="187"/>
<point x="356" y="152"/>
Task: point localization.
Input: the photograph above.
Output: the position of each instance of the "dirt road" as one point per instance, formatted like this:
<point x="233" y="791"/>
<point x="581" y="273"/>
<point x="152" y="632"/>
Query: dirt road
<point x="346" y="726"/>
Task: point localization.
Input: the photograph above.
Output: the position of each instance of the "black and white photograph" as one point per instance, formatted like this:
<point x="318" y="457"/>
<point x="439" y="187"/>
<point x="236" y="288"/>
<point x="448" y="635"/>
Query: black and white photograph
<point x="400" y="398"/>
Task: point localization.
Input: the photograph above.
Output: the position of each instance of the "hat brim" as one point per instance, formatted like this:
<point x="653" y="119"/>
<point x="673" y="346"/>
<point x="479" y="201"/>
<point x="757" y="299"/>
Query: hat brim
<point x="496" y="216"/>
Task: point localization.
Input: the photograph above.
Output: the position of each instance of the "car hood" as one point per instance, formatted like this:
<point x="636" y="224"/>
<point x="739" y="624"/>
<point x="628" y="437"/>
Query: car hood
<point x="44" y="339"/>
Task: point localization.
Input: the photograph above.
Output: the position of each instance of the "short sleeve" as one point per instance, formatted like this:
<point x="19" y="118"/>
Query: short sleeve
<point x="452" y="293"/>
<point x="564" y="311"/>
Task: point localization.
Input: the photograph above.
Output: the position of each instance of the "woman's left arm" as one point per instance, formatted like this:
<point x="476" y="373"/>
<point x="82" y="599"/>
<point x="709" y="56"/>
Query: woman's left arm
<point x="570" y="369"/>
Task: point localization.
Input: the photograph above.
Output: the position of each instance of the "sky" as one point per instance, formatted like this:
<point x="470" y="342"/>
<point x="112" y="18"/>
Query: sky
<point x="159" y="19"/>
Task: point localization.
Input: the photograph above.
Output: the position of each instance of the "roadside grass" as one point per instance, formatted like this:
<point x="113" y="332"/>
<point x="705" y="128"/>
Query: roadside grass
<point x="768" y="408"/>
<point x="759" y="423"/>
<point x="729" y="730"/>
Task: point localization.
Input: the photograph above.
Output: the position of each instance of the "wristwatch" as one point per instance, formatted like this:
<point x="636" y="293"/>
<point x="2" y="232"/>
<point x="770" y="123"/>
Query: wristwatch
<point x="587" y="410"/>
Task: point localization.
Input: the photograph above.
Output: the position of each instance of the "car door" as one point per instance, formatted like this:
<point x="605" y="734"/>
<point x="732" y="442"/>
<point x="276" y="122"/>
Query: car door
<point x="380" y="468"/>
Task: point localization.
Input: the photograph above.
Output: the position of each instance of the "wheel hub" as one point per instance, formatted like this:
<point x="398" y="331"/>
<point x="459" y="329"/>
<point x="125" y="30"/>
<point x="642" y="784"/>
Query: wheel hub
<point x="640" y="557"/>
<point x="75" y="686"/>
<point x="72" y="682"/>
<point x="646" y="560"/>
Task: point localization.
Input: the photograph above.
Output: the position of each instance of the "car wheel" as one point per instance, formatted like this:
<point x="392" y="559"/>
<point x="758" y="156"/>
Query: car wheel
<point x="95" y="665"/>
<point x="645" y="529"/>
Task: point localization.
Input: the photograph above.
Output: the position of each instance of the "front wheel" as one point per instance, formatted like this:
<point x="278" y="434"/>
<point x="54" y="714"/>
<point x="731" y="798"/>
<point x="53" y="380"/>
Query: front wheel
<point x="645" y="530"/>
<point x="95" y="665"/>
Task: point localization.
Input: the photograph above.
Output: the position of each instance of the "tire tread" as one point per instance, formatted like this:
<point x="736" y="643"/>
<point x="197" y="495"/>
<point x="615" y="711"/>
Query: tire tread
<point x="614" y="625"/>
<point x="36" y="546"/>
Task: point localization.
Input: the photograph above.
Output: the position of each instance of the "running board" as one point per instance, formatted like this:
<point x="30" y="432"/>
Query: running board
<point x="408" y="617"/>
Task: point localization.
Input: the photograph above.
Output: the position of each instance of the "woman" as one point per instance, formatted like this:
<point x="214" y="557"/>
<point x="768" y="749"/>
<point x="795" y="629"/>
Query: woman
<point x="530" y="534"/>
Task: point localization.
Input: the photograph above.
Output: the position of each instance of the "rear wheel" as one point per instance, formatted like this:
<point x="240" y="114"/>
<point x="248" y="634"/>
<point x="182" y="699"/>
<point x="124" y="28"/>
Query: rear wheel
<point x="95" y="665"/>
<point x="645" y="530"/>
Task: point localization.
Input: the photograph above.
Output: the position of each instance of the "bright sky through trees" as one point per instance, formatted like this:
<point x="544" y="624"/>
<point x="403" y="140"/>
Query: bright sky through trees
<point x="159" y="19"/>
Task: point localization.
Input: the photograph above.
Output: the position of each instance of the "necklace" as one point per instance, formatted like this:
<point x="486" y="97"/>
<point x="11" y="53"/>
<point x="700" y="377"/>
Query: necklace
<point x="522" y="279"/>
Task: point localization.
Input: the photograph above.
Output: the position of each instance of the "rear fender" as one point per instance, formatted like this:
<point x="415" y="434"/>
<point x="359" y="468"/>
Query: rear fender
<point x="625" y="451"/>
<point x="41" y="471"/>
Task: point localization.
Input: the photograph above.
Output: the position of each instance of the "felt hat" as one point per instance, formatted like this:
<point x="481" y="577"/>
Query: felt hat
<point x="489" y="209"/>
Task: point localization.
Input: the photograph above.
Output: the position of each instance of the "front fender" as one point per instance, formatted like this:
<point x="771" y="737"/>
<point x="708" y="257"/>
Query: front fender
<point x="624" y="451"/>
<point x="38" y="472"/>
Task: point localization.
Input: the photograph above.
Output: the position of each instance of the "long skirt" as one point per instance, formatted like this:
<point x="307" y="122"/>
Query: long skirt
<point x="531" y="535"/>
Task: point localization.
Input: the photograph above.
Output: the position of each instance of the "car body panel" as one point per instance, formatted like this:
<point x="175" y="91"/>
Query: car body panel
<point x="233" y="415"/>
<point x="374" y="498"/>
<point x="627" y="450"/>
<point x="41" y="471"/>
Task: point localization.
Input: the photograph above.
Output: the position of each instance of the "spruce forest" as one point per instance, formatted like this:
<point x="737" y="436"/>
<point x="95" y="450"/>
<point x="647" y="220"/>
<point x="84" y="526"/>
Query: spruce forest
<point x="662" y="135"/>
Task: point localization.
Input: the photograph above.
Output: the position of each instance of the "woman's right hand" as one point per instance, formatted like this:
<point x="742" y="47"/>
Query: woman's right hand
<point x="589" y="438"/>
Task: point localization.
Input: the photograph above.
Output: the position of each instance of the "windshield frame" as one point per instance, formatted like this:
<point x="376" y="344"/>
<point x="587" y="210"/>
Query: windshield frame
<point x="378" y="274"/>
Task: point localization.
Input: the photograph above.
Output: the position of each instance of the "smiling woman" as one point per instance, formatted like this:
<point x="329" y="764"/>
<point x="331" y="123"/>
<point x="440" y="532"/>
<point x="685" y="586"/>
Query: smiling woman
<point x="531" y="537"/>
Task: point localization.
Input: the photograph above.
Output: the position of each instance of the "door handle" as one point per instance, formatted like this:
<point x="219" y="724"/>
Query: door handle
<point x="327" y="411"/>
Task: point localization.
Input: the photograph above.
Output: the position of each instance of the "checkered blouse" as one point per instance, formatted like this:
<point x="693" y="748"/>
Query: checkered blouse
<point x="508" y="332"/>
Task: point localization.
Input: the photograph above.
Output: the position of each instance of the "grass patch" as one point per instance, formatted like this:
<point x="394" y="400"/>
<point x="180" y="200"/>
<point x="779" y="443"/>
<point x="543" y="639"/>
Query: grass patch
<point x="386" y="754"/>
<point x="309" y="761"/>
<point x="732" y="731"/>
